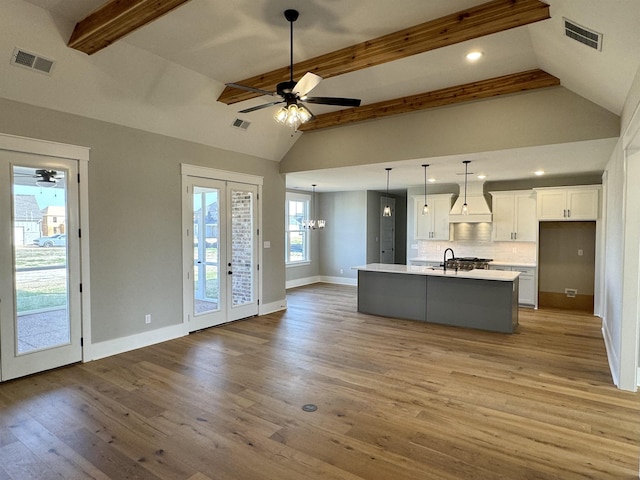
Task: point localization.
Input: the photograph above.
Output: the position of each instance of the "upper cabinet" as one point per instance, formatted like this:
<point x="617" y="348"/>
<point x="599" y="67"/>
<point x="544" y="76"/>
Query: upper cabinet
<point x="514" y="216"/>
<point x="435" y="224"/>
<point x="568" y="203"/>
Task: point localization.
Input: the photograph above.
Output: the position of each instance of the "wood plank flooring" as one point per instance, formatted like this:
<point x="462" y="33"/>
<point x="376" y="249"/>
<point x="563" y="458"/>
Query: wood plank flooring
<point x="396" y="399"/>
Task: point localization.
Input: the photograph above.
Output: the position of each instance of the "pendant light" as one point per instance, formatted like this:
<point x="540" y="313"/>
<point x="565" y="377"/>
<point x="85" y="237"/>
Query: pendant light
<point x="386" y="212"/>
<point x="313" y="222"/>
<point x="465" y="209"/>
<point x="425" y="209"/>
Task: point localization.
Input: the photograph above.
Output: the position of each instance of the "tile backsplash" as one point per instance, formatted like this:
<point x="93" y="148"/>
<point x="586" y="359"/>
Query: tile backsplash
<point x="474" y="240"/>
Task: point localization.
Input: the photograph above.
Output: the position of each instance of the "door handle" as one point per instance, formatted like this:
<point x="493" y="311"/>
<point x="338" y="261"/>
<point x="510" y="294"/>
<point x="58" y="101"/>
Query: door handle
<point x="230" y="272"/>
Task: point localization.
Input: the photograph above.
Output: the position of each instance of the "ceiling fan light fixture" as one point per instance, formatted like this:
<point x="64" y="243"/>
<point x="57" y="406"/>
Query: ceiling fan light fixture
<point x="293" y="115"/>
<point x="47" y="182"/>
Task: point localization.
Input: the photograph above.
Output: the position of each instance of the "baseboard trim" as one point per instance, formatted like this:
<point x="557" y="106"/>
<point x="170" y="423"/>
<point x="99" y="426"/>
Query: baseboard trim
<point x="139" y="340"/>
<point x="340" y="280"/>
<point x="614" y="364"/>
<point x="300" y="282"/>
<point x="267" y="308"/>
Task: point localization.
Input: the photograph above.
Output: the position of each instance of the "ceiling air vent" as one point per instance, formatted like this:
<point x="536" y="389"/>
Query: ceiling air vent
<point x="29" y="60"/>
<point x="583" y="35"/>
<point x="239" y="123"/>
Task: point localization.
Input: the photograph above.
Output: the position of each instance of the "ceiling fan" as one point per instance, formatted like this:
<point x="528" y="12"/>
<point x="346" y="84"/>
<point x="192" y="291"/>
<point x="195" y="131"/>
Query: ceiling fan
<point x="294" y="93"/>
<point x="43" y="178"/>
<point x="46" y="178"/>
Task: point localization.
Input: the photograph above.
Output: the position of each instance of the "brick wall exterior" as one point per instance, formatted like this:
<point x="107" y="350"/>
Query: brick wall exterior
<point x="242" y="247"/>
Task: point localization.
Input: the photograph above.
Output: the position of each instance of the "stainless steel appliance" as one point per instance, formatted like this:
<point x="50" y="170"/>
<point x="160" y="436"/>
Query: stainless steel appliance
<point x="468" y="263"/>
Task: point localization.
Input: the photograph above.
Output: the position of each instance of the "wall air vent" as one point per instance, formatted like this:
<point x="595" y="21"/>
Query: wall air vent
<point x="239" y="123"/>
<point x="583" y="35"/>
<point x="29" y="60"/>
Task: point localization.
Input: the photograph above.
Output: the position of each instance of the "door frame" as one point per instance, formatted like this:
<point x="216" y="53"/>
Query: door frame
<point x="188" y="172"/>
<point x="33" y="146"/>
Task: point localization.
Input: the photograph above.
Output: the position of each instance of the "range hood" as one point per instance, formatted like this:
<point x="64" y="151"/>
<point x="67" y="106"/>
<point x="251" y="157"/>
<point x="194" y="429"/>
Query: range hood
<point x="477" y="205"/>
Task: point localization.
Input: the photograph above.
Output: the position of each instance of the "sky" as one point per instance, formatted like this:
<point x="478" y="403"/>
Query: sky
<point x="45" y="196"/>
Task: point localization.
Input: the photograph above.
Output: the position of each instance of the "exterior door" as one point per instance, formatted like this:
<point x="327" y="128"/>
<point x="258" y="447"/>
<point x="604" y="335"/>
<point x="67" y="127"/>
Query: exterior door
<point x="387" y="231"/>
<point x="40" y="306"/>
<point x="220" y="253"/>
<point x="242" y="251"/>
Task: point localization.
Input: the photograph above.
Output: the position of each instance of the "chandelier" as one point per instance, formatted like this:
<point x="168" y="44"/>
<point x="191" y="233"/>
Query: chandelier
<point x="314" y="223"/>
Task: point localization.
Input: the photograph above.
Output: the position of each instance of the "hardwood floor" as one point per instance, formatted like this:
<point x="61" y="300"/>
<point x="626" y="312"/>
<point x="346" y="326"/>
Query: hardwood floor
<point x="396" y="400"/>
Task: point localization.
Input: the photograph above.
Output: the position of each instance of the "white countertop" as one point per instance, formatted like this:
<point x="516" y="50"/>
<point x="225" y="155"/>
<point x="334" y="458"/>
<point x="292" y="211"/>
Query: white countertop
<point x="498" y="275"/>
<point x="497" y="263"/>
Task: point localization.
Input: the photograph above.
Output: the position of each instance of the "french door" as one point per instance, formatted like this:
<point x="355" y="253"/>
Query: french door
<point x="40" y="305"/>
<point x="221" y="252"/>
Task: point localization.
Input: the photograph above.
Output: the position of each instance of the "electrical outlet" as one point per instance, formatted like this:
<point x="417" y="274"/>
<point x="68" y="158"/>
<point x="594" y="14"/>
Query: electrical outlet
<point x="580" y="252"/>
<point x="341" y="271"/>
<point x="147" y="318"/>
<point x="571" y="292"/>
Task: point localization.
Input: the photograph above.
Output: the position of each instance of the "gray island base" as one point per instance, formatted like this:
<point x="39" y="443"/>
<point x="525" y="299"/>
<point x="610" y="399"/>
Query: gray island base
<point x="480" y="299"/>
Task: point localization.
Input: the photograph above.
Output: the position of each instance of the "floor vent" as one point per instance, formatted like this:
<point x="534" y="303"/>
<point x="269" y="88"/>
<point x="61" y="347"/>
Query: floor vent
<point x="29" y="60"/>
<point x="583" y="35"/>
<point x="239" y="123"/>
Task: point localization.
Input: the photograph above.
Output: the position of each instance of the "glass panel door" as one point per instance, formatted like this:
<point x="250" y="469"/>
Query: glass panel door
<point x="206" y="255"/>
<point x="206" y="252"/>
<point x="40" y="308"/>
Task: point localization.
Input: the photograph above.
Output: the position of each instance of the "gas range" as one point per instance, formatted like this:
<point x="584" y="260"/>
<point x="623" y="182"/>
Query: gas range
<point x="469" y="263"/>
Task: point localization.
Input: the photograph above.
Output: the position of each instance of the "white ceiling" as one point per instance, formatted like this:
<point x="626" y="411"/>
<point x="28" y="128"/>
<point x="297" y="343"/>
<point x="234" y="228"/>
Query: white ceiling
<point x="211" y="42"/>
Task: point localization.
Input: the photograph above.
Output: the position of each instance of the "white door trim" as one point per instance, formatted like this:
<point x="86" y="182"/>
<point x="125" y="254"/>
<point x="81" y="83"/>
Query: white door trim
<point x="80" y="154"/>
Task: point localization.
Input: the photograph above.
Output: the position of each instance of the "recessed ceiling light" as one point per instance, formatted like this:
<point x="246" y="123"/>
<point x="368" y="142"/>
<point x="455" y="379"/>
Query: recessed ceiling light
<point x="431" y="180"/>
<point x="539" y="172"/>
<point x="474" y="56"/>
<point x="482" y="177"/>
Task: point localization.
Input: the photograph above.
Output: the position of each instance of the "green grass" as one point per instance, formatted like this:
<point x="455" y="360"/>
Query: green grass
<point x="40" y="294"/>
<point x="40" y="256"/>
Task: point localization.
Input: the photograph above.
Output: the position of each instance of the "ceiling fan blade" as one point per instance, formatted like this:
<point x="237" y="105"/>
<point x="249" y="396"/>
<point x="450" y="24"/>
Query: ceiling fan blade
<point x="307" y="83"/>
<point x="343" y="102"/>
<point x="260" y="107"/>
<point x="249" y="89"/>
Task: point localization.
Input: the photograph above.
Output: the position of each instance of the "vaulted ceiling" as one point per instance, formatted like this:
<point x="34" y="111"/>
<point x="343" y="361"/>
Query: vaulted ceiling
<point x="396" y="56"/>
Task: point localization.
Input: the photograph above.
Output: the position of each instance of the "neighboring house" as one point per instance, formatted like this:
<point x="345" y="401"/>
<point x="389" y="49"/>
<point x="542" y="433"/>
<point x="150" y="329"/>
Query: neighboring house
<point x="53" y="220"/>
<point x="27" y="219"/>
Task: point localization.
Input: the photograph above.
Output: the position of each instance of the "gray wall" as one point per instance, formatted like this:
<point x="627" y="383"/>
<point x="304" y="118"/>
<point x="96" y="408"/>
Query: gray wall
<point x="344" y="240"/>
<point x="135" y="214"/>
<point x="553" y="115"/>
<point x="559" y="265"/>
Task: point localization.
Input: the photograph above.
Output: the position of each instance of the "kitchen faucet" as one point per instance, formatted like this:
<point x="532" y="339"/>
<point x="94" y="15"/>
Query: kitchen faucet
<point x="444" y="259"/>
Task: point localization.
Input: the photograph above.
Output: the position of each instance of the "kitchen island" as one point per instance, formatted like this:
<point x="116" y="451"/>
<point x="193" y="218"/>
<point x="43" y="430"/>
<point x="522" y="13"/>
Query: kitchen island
<point x="482" y="299"/>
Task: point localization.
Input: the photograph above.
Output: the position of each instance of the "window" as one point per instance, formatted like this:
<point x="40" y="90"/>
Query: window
<point x="296" y="236"/>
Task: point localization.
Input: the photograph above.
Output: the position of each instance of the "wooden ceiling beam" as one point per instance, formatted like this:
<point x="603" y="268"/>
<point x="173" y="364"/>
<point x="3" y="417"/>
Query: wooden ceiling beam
<point x="114" y="20"/>
<point x="513" y="83"/>
<point x="492" y="17"/>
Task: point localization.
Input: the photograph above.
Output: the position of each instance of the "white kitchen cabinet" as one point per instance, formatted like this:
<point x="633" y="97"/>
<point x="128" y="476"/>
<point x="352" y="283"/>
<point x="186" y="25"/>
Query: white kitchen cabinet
<point x="514" y="216"/>
<point x="568" y="203"/>
<point x="434" y="225"/>
<point x="526" y="283"/>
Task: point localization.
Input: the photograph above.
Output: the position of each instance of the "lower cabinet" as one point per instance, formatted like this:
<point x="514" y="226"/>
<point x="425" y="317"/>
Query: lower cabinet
<point x="527" y="287"/>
